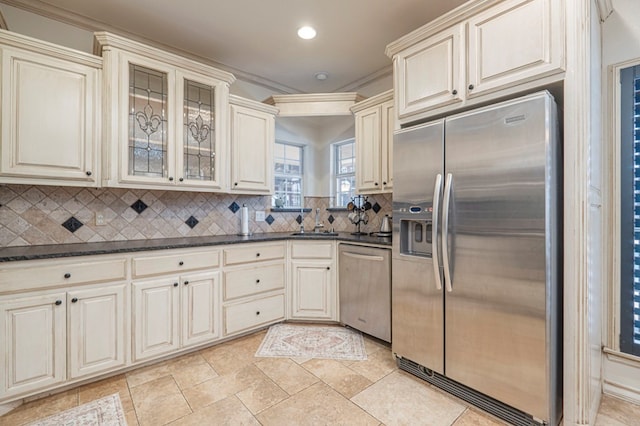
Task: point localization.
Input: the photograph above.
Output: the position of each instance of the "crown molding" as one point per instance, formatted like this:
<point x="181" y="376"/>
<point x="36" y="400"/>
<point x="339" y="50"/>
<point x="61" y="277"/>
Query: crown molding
<point x="61" y="15"/>
<point x="248" y="103"/>
<point x="373" y="101"/>
<point x="314" y="104"/>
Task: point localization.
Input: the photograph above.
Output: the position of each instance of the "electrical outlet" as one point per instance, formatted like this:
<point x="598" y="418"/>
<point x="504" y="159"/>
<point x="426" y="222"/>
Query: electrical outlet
<point x="260" y="216"/>
<point x="100" y="219"/>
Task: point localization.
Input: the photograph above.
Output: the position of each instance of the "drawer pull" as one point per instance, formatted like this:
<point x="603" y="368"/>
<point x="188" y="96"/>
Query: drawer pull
<point x="180" y="263"/>
<point x="88" y="173"/>
<point x="257" y="254"/>
<point x="257" y="281"/>
<point x="175" y="284"/>
<point x="170" y="178"/>
<point x="454" y="92"/>
<point x="471" y="87"/>
<point x="74" y="300"/>
<point x="186" y="283"/>
<point x="181" y="179"/>
<point x="67" y="275"/>
<point x="58" y="302"/>
<point x="258" y="313"/>
<point x="328" y="267"/>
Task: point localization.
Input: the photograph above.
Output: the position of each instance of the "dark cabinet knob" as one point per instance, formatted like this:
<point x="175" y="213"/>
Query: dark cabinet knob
<point x="471" y="87"/>
<point x="58" y="302"/>
<point x="258" y="281"/>
<point x="376" y="184"/>
<point x="257" y="254"/>
<point x="181" y="179"/>
<point x="175" y="284"/>
<point x="170" y="178"/>
<point x="67" y="275"/>
<point x="454" y="92"/>
<point x="328" y="267"/>
<point x="74" y="300"/>
<point x="88" y="172"/>
<point x="384" y="183"/>
<point x="181" y="263"/>
<point x="258" y="313"/>
<point x="235" y="183"/>
<point x="186" y="283"/>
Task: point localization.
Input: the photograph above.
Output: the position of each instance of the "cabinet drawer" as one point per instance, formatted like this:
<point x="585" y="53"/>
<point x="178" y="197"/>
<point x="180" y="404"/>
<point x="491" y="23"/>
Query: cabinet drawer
<point x="253" y="253"/>
<point x="253" y="314"/>
<point x="54" y="273"/>
<point x="245" y="282"/>
<point x="155" y="265"/>
<point x="312" y="250"/>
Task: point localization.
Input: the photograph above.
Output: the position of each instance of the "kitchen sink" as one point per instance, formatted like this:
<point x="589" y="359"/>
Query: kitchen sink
<point x="315" y="234"/>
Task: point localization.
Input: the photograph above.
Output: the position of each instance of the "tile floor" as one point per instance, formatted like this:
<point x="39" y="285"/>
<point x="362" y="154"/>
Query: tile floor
<point x="227" y="385"/>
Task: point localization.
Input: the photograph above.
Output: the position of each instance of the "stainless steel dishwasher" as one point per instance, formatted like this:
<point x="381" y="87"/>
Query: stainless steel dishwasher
<point x="365" y="289"/>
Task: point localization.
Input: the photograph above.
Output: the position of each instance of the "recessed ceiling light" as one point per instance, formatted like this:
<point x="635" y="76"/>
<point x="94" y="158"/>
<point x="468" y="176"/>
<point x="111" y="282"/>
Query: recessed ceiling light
<point x="322" y="75"/>
<point x="306" y="33"/>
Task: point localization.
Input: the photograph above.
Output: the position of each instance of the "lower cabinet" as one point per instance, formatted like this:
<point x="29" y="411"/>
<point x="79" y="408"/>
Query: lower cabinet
<point x="252" y="314"/>
<point x="313" y="285"/>
<point x="161" y="305"/>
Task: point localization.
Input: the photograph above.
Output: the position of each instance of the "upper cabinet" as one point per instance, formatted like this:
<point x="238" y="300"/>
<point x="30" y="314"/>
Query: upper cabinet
<point x="50" y="113"/>
<point x="165" y="118"/>
<point x="374" y="122"/>
<point x="252" y="145"/>
<point x="476" y="53"/>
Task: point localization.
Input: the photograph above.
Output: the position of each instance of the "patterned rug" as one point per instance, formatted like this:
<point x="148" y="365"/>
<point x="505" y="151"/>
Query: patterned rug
<point x="301" y="341"/>
<point x="104" y="412"/>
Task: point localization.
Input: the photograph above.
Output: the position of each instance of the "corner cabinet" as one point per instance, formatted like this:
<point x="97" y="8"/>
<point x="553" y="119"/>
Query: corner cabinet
<point x="165" y="119"/>
<point x="477" y="53"/>
<point x="252" y="145"/>
<point x="374" y="123"/>
<point x="50" y="113"/>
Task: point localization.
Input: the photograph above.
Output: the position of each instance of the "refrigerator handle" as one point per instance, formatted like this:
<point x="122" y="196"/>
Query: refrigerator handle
<point x="434" y="230"/>
<point x="445" y="232"/>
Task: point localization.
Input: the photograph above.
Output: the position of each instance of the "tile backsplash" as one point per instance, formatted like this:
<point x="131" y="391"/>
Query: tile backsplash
<point x="34" y="215"/>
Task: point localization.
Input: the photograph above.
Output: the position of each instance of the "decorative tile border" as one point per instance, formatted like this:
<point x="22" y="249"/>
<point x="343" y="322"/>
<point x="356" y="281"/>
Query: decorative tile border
<point x="34" y="215"/>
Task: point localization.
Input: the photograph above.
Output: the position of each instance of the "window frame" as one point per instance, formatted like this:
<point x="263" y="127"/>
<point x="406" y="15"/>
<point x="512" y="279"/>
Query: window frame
<point x="301" y="176"/>
<point x="334" y="171"/>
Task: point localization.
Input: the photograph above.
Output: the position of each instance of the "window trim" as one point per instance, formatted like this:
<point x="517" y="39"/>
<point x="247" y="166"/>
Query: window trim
<point x="334" y="170"/>
<point x="301" y="175"/>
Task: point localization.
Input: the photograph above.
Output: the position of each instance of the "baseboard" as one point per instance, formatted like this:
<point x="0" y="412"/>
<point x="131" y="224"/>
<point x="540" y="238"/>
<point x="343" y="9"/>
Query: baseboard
<point x="621" y="375"/>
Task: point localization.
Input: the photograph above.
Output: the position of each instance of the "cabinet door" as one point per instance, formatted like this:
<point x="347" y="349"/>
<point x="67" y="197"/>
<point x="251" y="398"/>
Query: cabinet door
<point x="200" y="308"/>
<point x="313" y="290"/>
<point x="516" y="41"/>
<point x="147" y="124"/>
<point x="386" y="162"/>
<point x="97" y="329"/>
<point x="368" y="128"/>
<point x="201" y="131"/>
<point x="252" y="140"/>
<point x="428" y="74"/>
<point x="33" y="341"/>
<point x="49" y="120"/>
<point x="155" y="317"/>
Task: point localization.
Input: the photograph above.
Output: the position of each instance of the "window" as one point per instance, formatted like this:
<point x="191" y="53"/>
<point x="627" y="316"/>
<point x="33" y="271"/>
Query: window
<point x="344" y="168"/>
<point x="630" y="210"/>
<point x="288" y="173"/>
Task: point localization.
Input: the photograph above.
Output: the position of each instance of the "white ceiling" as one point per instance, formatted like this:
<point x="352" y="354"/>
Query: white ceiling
<point x="257" y="38"/>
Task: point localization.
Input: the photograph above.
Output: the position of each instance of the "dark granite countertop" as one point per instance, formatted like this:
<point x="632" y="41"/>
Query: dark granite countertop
<point x="9" y="254"/>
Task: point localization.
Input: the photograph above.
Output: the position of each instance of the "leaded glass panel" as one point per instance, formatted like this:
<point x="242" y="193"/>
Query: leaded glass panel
<point x="198" y="127"/>
<point x="147" y="122"/>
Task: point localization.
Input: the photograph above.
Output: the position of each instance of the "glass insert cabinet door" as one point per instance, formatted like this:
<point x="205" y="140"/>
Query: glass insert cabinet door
<point x="173" y="126"/>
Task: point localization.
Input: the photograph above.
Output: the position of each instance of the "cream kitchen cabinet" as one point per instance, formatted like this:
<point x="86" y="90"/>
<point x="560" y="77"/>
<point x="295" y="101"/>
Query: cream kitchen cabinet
<point x="477" y="53"/>
<point x="374" y="122"/>
<point x="50" y="113"/>
<point x="313" y="285"/>
<point x="178" y="309"/>
<point x="254" y="286"/>
<point x="165" y="119"/>
<point x="252" y="145"/>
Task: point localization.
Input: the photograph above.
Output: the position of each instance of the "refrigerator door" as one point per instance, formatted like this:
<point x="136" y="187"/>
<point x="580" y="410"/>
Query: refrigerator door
<point x="499" y="242"/>
<point x="417" y="297"/>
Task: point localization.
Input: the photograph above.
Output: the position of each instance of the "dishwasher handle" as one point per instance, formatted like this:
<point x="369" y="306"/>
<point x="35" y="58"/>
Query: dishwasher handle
<point x="363" y="256"/>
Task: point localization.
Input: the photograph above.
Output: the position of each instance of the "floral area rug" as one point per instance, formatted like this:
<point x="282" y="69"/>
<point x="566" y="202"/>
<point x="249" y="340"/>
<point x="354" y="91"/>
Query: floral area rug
<point x="103" y="412"/>
<point x="301" y="341"/>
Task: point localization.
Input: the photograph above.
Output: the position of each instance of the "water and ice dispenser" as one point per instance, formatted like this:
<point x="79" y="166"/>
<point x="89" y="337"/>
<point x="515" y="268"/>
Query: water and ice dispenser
<point x="415" y="237"/>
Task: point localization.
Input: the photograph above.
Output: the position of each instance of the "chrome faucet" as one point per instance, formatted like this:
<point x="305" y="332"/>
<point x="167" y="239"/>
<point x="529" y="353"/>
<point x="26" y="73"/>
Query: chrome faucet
<point x="302" y="220"/>
<point x="318" y="224"/>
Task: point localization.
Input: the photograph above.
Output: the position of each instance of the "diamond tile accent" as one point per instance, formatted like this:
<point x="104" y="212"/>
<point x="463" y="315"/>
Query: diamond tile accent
<point x="269" y="219"/>
<point x="139" y="206"/>
<point x="376" y="208"/>
<point x="331" y="218"/>
<point x="234" y="207"/>
<point x="299" y="219"/>
<point x="72" y="224"/>
<point x="191" y="222"/>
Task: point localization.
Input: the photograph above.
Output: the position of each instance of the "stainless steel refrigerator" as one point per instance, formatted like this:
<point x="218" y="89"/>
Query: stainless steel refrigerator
<point x="476" y="260"/>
